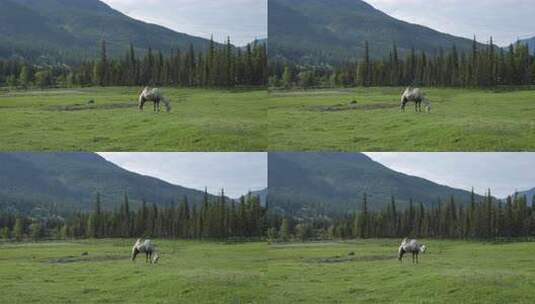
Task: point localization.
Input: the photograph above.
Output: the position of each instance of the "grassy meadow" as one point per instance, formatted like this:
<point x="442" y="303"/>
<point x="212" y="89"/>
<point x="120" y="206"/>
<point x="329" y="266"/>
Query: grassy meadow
<point x="461" y="120"/>
<point x="65" y="120"/>
<point x="210" y="272"/>
<point x="368" y="272"/>
<point x="188" y="272"/>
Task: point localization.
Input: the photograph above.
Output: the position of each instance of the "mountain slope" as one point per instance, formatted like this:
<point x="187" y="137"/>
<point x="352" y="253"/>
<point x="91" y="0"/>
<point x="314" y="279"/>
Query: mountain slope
<point x="531" y="44"/>
<point x="336" y="183"/>
<point x="69" y="28"/>
<point x="334" y="31"/>
<point x="530" y="195"/>
<point x="71" y="180"/>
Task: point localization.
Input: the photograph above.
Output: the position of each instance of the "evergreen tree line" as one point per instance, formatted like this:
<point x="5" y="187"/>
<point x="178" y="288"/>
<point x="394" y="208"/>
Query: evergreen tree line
<point x="487" y="219"/>
<point x="224" y="66"/>
<point x="483" y="66"/>
<point x="218" y="218"/>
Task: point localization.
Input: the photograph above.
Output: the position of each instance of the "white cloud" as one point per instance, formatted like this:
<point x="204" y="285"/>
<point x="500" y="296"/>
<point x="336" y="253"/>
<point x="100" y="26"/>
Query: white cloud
<point x="237" y="173"/>
<point x="503" y="173"/>
<point x="242" y="20"/>
<point x="505" y="20"/>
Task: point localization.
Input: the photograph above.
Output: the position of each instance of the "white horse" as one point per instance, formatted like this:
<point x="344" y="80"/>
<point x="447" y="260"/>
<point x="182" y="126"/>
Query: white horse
<point x="146" y="247"/>
<point x="411" y="246"/>
<point x="417" y="96"/>
<point x="154" y="95"/>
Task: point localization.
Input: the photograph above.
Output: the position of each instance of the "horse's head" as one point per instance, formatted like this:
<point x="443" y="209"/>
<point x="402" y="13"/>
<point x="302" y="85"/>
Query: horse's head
<point x="155" y="258"/>
<point x="423" y="248"/>
<point x="404" y="101"/>
<point x="135" y="252"/>
<point x="167" y="104"/>
<point x="427" y="105"/>
<point x="401" y="252"/>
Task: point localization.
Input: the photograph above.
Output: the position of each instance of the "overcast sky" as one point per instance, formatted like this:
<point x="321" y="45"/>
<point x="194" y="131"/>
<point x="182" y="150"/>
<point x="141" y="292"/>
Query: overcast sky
<point x="505" y="20"/>
<point x="503" y="173"/>
<point x="242" y="20"/>
<point x="237" y="173"/>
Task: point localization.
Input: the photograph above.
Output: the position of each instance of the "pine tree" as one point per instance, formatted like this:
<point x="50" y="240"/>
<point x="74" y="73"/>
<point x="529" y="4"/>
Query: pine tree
<point x="4" y="233"/>
<point x="25" y="77"/>
<point x="363" y="218"/>
<point x="286" y="78"/>
<point x="36" y="231"/>
<point x="284" y="231"/>
<point x="18" y="230"/>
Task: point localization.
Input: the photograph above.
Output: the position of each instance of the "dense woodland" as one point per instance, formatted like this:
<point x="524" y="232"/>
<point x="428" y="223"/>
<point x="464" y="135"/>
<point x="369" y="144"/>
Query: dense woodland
<point x="217" y="67"/>
<point x="484" y="66"/>
<point x="210" y="219"/>
<point x="485" y="219"/>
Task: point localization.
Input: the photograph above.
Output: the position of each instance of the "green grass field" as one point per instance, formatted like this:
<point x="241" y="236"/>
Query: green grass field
<point x="208" y="272"/>
<point x="450" y="272"/>
<point x="63" y="120"/>
<point x="188" y="272"/>
<point x="461" y="120"/>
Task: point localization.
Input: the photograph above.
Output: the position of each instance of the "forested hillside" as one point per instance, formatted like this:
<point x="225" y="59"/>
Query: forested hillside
<point x="71" y="30"/>
<point x="329" y="32"/>
<point x="65" y="182"/>
<point x="312" y="184"/>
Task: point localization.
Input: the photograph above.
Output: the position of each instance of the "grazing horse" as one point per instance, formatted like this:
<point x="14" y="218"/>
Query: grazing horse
<point x="410" y="246"/>
<point x="146" y="247"/>
<point x="417" y="96"/>
<point x="153" y="95"/>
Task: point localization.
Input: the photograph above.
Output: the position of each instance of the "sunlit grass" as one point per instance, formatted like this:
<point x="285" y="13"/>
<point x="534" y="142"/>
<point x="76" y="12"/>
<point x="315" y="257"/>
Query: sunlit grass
<point x="461" y="120"/>
<point x="66" y="120"/>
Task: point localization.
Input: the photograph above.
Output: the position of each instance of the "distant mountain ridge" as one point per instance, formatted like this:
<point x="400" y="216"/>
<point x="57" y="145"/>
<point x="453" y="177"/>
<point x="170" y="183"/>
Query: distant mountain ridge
<point x="74" y="28"/>
<point x="71" y="181"/>
<point x="530" y="43"/>
<point x="530" y="195"/>
<point x="334" y="183"/>
<point x="262" y="194"/>
<point x="330" y="31"/>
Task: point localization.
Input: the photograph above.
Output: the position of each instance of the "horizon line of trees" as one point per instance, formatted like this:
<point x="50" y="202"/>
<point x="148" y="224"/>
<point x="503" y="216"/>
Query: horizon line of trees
<point x="223" y="66"/>
<point x="210" y="219"/>
<point x="482" y="66"/>
<point x="478" y="220"/>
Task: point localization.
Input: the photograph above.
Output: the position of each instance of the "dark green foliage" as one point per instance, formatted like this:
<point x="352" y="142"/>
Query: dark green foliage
<point x="483" y="66"/>
<point x="18" y="229"/>
<point x="217" y="218"/>
<point x="4" y="233"/>
<point x="484" y="218"/>
<point x="218" y="67"/>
